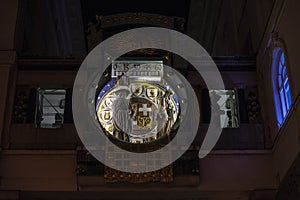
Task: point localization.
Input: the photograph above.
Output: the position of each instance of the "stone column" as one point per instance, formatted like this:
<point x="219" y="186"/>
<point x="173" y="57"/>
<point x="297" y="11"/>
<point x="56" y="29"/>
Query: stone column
<point x="8" y="24"/>
<point x="7" y="87"/>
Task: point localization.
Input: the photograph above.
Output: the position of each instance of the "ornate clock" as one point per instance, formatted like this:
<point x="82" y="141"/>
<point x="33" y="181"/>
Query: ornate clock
<point x="136" y="105"/>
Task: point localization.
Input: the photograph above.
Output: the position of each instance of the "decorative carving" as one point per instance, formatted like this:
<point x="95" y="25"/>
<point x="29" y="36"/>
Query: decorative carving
<point x="275" y="42"/>
<point x="143" y="108"/>
<point x="87" y="165"/>
<point x="136" y="18"/>
<point x="164" y="175"/>
<point x="20" y="111"/>
<point x="275" y="38"/>
<point x="95" y="29"/>
<point x="94" y="34"/>
<point x="253" y="107"/>
<point x="188" y="164"/>
<point x="180" y="166"/>
<point x="147" y="51"/>
<point x="179" y="23"/>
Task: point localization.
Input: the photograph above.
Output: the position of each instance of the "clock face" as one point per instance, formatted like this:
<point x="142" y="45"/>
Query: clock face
<point x="137" y="110"/>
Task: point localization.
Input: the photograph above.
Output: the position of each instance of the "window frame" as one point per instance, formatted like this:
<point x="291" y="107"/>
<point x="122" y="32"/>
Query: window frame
<point x="281" y="86"/>
<point x="43" y="102"/>
<point x="237" y="120"/>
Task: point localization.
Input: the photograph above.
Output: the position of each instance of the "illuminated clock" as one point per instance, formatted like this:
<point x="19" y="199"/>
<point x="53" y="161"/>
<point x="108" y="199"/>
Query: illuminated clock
<point x="137" y="105"/>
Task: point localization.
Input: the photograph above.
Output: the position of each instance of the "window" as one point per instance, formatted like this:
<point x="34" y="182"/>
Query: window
<point x="282" y="92"/>
<point x="228" y="107"/>
<point x="50" y="108"/>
